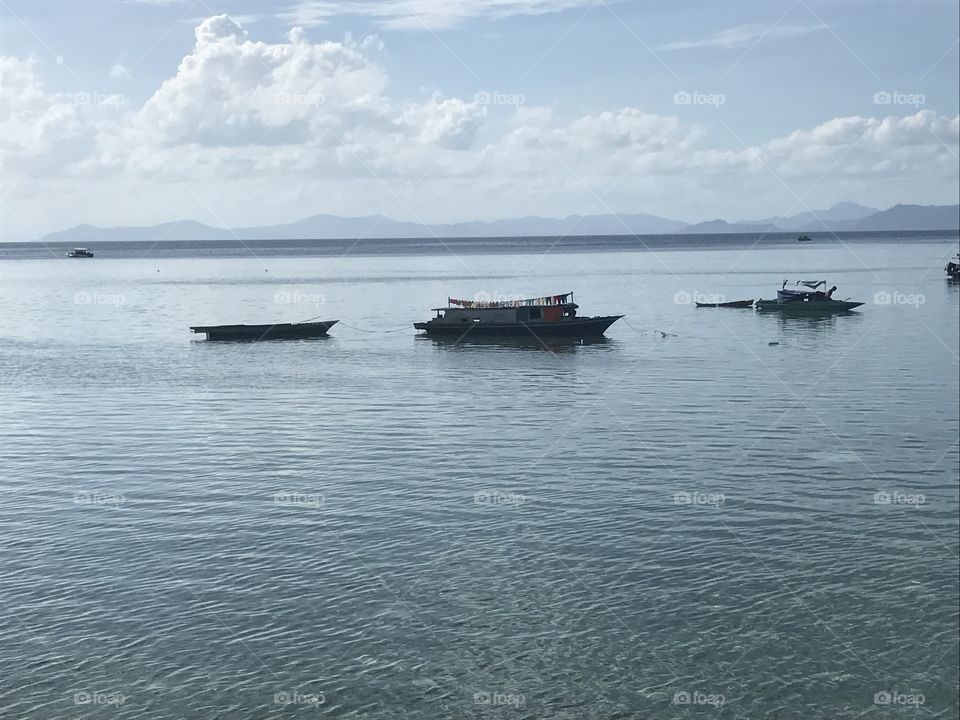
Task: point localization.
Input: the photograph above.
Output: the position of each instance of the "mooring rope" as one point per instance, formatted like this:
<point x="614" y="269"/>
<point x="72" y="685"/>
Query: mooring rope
<point x="407" y="327"/>
<point x="301" y="322"/>
<point x="654" y="330"/>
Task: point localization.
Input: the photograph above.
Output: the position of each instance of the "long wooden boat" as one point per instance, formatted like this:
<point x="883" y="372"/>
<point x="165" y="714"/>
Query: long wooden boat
<point x="731" y="304"/>
<point x="277" y="331"/>
<point x="552" y="316"/>
<point x="809" y="305"/>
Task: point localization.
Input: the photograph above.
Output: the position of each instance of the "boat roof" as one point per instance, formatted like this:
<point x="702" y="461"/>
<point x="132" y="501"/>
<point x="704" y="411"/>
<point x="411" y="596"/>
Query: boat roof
<point x="544" y="301"/>
<point x="808" y="285"/>
<point x="504" y="307"/>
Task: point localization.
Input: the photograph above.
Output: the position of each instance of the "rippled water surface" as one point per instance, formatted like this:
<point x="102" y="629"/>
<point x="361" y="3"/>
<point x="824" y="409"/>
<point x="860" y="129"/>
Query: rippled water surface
<point x="713" y="513"/>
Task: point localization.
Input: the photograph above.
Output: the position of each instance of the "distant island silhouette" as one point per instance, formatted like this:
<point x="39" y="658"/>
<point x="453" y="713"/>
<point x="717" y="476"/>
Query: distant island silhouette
<point x="841" y="217"/>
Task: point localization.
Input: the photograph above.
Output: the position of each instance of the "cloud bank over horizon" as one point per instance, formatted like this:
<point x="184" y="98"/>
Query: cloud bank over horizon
<point x="246" y="131"/>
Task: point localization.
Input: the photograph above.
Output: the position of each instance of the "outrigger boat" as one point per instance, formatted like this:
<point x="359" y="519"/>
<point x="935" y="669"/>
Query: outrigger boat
<point x="279" y="331"/>
<point x="80" y="253"/>
<point x="953" y="269"/>
<point x="544" y="317"/>
<point x="807" y="297"/>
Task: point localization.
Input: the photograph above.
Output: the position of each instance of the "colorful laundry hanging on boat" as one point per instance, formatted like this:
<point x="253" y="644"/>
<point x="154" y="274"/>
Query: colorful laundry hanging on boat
<point x="545" y="300"/>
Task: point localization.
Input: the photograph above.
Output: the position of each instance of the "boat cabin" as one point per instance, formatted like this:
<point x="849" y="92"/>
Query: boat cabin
<point x="506" y="315"/>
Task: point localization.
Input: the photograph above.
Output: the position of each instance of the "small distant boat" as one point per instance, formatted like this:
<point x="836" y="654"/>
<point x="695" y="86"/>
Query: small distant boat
<point x="80" y="253"/>
<point x="278" y="331"/>
<point x="731" y="304"/>
<point x="551" y="316"/>
<point x="804" y="238"/>
<point x="953" y="269"/>
<point x="806" y="296"/>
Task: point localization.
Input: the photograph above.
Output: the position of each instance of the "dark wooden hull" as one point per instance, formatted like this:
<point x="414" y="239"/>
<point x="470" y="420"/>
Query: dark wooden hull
<point x="731" y="304"/>
<point x="578" y="328"/>
<point x="811" y="307"/>
<point x="279" y="331"/>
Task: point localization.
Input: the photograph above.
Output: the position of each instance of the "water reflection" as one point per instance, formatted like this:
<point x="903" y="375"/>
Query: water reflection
<point x="200" y="340"/>
<point x="527" y="342"/>
<point x="814" y="323"/>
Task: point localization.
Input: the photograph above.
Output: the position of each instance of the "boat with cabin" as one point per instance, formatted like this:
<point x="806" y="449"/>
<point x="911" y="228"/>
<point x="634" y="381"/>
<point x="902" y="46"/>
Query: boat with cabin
<point x="550" y="316"/>
<point x="953" y="269"/>
<point x="804" y="238"/>
<point x="277" y="331"/>
<point x="80" y="252"/>
<point x="807" y="296"/>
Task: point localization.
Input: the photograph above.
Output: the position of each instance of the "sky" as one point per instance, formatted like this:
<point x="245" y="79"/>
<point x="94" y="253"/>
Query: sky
<point x="235" y="113"/>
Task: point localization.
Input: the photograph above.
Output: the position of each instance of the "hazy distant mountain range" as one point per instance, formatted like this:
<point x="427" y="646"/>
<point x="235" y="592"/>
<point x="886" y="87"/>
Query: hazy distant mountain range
<point x="842" y="216"/>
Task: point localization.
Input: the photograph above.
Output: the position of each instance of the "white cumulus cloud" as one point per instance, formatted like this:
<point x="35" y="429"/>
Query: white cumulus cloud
<point x="312" y="127"/>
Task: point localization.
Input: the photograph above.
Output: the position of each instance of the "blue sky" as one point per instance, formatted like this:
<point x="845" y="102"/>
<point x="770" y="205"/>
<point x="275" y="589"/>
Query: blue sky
<point x="437" y="111"/>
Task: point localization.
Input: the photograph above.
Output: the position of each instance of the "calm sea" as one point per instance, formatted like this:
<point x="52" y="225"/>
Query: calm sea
<point x="714" y="513"/>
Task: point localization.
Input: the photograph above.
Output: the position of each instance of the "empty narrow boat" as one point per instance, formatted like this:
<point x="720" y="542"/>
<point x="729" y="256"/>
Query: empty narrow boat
<point x="551" y="316"/>
<point x="278" y="331"/>
<point x="731" y="304"/>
